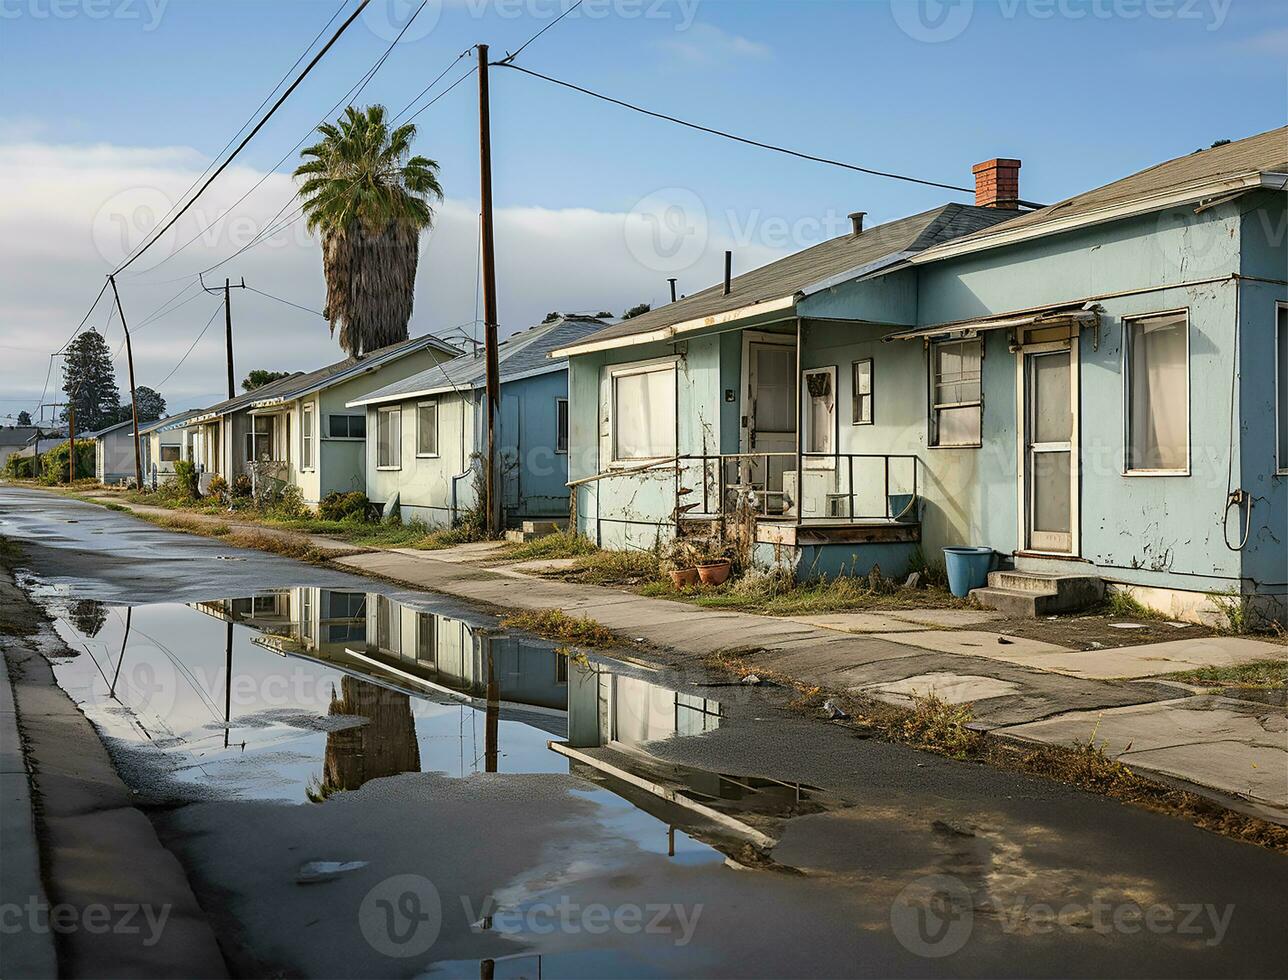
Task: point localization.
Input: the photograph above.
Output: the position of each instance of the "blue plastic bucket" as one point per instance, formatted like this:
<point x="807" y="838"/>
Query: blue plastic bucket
<point x="967" y="568"/>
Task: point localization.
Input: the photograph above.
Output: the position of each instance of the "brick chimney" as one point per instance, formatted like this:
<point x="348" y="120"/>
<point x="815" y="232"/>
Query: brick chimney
<point x="997" y="184"/>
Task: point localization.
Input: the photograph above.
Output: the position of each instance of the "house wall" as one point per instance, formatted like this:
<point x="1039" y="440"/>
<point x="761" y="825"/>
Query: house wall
<point x="633" y="510"/>
<point x="534" y="475"/>
<point x="1155" y="531"/>
<point x="424" y="483"/>
<point x="114" y="456"/>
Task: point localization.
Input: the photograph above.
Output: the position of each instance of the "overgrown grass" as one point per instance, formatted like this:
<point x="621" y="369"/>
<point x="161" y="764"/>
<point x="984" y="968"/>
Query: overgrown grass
<point x="936" y="724"/>
<point x="1257" y="675"/>
<point x="605" y="567"/>
<point x="555" y="624"/>
<point x="778" y="594"/>
<point x="1124" y="605"/>
<point x="561" y="544"/>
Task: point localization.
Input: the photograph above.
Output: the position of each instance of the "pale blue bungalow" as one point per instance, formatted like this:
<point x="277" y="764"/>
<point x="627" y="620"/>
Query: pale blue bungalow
<point x="1093" y="390"/>
<point x="425" y="434"/>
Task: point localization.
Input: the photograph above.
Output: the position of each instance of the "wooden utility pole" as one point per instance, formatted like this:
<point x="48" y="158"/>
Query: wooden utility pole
<point x="228" y="326"/>
<point x="493" y="396"/>
<point x="71" y="443"/>
<point x="134" y="400"/>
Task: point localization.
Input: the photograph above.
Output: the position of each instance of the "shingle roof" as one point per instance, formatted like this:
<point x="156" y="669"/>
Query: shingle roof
<point x="520" y="355"/>
<point x="16" y="435"/>
<point x="305" y="384"/>
<point x="106" y="429"/>
<point x="826" y="260"/>
<point x="169" y="420"/>
<point x="1264" y="153"/>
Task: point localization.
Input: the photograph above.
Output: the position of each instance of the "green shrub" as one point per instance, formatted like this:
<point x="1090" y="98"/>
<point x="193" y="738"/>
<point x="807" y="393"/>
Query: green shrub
<point x="218" y="488"/>
<point x="54" y="467"/>
<point x="242" y="486"/>
<point x="336" y="506"/>
<point x="20" y="467"/>
<point x="185" y="476"/>
<point x="287" y="503"/>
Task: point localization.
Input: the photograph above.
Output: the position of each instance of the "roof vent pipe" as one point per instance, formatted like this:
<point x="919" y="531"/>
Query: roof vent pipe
<point x="672" y="282"/>
<point x="856" y="222"/>
<point x="728" y="271"/>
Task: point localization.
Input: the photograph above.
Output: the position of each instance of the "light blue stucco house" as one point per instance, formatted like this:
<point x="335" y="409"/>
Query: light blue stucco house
<point x="1092" y="388"/>
<point x="426" y="434"/>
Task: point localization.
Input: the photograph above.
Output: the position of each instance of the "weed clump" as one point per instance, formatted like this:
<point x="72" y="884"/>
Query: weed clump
<point x="555" y="624"/>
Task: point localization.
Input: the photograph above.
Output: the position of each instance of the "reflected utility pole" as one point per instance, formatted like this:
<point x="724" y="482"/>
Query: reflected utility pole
<point x="228" y="679"/>
<point x="491" y="748"/>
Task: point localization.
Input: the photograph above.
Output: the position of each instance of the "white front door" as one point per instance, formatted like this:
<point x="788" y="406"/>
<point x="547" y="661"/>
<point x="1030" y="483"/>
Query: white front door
<point x="1050" y="466"/>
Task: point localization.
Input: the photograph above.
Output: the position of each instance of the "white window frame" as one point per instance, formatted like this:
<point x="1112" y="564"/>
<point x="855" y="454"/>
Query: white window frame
<point x="420" y="405"/>
<point x="933" y="440"/>
<point x="253" y="436"/>
<point x="561" y="404"/>
<point x="1281" y="385"/>
<point x="308" y="441"/>
<point x="1128" y="469"/>
<point x="161" y="451"/>
<point x="823" y="459"/>
<point x="872" y="390"/>
<point x="657" y="365"/>
<point x="381" y="414"/>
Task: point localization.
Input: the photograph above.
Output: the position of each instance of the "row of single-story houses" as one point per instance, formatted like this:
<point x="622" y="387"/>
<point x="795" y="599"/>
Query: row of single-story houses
<point x="1096" y="388"/>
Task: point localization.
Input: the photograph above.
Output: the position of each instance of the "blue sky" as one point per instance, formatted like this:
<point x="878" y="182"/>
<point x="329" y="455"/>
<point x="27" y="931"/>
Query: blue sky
<point x="1083" y="93"/>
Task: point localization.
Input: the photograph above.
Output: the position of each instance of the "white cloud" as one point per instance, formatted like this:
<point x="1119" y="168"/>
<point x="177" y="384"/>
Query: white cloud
<point x="73" y="211"/>
<point x="706" y="44"/>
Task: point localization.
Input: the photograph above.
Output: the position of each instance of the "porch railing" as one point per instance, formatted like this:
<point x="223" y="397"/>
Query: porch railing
<point x="792" y="487"/>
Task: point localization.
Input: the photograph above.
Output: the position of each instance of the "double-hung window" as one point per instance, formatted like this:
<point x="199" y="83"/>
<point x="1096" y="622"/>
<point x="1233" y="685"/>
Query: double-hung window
<point x="861" y="393"/>
<point x="955" y="392"/>
<point x="1157" y="355"/>
<point x="1281" y="385"/>
<point x="389" y="439"/>
<point x="561" y="425"/>
<point x="643" y="412"/>
<point x="306" y="437"/>
<point x="427" y="429"/>
<point x="259" y="440"/>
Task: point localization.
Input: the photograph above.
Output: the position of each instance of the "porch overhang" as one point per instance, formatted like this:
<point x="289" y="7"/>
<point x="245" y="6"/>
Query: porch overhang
<point x="1074" y="317"/>
<point x="783" y="303"/>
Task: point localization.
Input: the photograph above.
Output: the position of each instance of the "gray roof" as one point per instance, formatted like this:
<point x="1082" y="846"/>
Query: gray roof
<point x="169" y="420"/>
<point x="827" y="260"/>
<point x="106" y="429"/>
<point x="305" y="384"/>
<point x="1264" y="153"/>
<point x="17" y="435"/>
<point x="521" y="355"/>
<point x="247" y="397"/>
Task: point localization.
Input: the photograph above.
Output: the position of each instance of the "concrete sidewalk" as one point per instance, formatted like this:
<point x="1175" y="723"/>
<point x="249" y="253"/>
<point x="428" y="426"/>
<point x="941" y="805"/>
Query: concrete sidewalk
<point x="1019" y="687"/>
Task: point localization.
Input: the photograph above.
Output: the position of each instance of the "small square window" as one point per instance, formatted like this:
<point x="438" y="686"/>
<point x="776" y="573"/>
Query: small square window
<point x="170" y="454"/>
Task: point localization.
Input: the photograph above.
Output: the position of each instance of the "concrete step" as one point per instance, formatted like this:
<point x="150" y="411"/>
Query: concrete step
<point x="1033" y="594"/>
<point x="544" y="527"/>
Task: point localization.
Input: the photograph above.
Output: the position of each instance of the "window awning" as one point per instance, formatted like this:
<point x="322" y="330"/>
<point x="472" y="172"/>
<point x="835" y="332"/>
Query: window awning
<point x="1078" y="315"/>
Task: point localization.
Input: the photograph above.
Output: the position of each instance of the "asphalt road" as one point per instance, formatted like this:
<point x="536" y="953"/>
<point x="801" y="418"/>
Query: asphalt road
<point x="914" y="865"/>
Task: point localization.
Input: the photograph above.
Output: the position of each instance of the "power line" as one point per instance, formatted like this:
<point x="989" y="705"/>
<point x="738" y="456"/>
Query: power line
<point x="286" y="301"/>
<point x="730" y="136"/>
<point x="354" y="91"/>
<point x="437" y="78"/>
<point x="257" y="109"/>
<point x="218" y="307"/>
<point x="249" y="136"/>
<point x="510" y="57"/>
<point x="441" y="94"/>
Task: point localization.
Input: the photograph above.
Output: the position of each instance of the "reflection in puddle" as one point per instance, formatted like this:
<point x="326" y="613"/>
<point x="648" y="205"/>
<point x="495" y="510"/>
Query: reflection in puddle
<point x="301" y="693"/>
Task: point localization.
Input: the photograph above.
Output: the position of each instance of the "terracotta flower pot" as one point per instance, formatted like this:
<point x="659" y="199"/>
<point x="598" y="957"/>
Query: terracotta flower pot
<point x="683" y="577"/>
<point x="716" y="572"/>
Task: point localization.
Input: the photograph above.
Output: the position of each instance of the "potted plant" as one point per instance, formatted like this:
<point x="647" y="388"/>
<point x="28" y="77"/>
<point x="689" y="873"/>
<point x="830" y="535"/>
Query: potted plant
<point x="714" y="564"/>
<point x="680" y="562"/>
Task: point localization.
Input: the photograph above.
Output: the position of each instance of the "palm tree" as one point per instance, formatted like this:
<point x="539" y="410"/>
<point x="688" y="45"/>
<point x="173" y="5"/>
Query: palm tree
<point x="370" y="201"/>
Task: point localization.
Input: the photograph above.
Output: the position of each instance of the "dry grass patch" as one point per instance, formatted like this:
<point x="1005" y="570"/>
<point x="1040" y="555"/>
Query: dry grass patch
<point x="555" y="624"/>
<point x="1256" y="675"/>
<point x="561" y="544"/>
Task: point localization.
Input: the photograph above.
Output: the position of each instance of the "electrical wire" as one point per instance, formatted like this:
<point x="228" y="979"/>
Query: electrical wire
<point x="219" y="307"/>
<point x="258" y="109"/>
<point x="510" y="57"/>
<point x="442" y="93"/>
<point x="286" y="301"/>
<point x="437" y="78"/>
<point x="138" y="253"/>
<point x="730" y="136"/>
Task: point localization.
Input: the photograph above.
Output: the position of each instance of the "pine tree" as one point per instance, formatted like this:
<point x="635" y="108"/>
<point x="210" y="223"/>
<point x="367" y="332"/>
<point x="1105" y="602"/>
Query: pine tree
<point x="90" y="384"/>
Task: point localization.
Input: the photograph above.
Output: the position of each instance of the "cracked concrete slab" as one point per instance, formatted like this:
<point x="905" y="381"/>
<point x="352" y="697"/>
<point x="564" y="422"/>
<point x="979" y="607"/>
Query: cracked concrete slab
<point x="1236" y="747"/>
<point x="977" y="643"/>
<point x="948" y="618"/>
<point x="953" y="688"/>
<point x="1150" y="660"/>
<point x="861" y="622"/>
